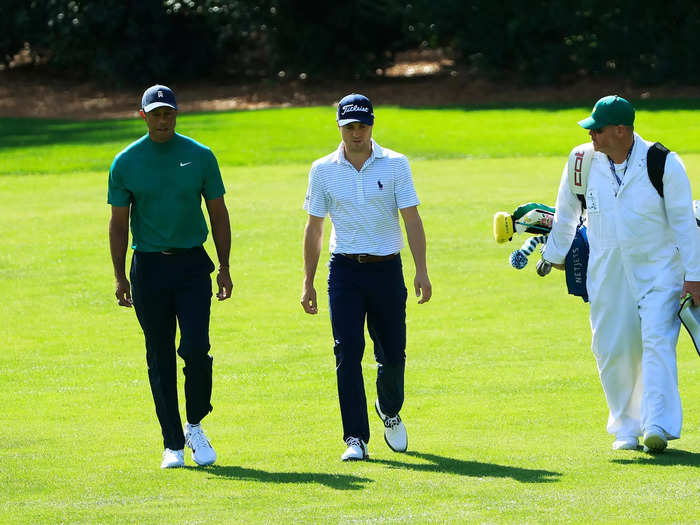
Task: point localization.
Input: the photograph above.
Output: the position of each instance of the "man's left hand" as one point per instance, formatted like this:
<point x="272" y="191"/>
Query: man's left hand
<point x="223" y="280"/>
<point x="692" y="288"/>
<point x="421" y="283"/>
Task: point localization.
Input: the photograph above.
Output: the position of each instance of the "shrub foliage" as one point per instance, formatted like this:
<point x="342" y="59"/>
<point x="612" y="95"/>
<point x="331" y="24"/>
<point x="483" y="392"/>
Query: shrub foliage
<point x="537" y="42"/>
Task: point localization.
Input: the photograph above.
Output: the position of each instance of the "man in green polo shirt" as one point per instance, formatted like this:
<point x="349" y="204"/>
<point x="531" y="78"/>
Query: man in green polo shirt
<point x="159" y="181"/>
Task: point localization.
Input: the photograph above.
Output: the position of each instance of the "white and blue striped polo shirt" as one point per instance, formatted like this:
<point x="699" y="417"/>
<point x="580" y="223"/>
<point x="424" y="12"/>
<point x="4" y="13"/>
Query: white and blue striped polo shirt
<point x="363" y="205"/>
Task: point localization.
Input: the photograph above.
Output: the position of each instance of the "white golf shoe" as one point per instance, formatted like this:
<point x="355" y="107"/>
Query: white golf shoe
<point x="655" y="440"/>
<point x="394" y="430"/>
<point x="356" y="451"/>
<point x="173" y="458"/>
<point x="625" y="443"/>
<point x="202" y="452"/>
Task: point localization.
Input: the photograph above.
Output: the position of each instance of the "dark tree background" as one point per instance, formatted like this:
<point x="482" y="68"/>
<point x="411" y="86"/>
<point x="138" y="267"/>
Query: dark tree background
<point x="534" y="42"/>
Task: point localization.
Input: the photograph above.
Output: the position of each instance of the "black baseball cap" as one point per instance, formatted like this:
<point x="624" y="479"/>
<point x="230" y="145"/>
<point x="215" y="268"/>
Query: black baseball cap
<point x="158" y="96"/>
<point x="355" y="108"/>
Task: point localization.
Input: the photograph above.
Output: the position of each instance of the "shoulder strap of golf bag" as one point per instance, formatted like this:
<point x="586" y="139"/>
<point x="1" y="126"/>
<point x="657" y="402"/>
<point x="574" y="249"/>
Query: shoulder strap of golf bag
<point x="656" y="162"/>
<point x="581" y="157"/>
<point x="579" y="166"/>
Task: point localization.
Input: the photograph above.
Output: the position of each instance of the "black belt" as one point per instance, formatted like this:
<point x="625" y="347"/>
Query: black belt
<point x="176" y="251"/>
<point x="368" y="258"/>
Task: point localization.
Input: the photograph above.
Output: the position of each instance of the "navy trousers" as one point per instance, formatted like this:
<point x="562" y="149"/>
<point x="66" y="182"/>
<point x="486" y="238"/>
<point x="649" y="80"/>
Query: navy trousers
<point x="170" y="290"/>
<point x="375" y="291"/>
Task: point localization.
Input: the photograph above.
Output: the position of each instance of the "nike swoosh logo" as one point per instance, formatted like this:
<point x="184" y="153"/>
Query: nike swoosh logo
<point x="183" y="164"/>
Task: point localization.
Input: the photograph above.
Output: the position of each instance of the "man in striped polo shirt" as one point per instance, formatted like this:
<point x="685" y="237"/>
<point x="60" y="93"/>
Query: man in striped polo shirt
<point x="363" y="187"/>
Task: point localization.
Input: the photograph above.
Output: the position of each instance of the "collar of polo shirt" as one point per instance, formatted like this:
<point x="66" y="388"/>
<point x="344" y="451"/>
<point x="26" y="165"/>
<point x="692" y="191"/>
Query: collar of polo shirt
<point x="377" y="152"/>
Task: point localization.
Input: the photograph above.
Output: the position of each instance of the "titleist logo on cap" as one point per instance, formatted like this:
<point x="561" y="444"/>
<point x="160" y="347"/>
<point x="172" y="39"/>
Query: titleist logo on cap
<point x="353" y="107"/>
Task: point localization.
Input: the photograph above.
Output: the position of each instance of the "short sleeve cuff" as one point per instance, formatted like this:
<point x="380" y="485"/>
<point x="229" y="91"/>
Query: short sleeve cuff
<point x="407" y="204"/>
<point x="215" y="195"/>
<point x="114" y="201"/>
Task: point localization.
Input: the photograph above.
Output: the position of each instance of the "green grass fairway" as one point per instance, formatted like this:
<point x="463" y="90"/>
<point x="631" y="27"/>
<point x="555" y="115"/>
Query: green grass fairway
<point x="504" y="410"/>
<point x="295" y="135"/>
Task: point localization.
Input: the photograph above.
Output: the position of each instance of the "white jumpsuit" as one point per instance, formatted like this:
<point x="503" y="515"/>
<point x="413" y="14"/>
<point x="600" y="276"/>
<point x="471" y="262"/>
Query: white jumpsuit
<point x="642" y="246"/>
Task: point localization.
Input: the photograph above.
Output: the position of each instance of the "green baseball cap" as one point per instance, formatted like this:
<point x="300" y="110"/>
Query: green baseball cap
<point x="610" y="110"/>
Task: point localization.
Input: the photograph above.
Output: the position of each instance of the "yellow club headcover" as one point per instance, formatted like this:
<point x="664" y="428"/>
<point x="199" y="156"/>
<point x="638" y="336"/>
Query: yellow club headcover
<point x="502" y="227"/>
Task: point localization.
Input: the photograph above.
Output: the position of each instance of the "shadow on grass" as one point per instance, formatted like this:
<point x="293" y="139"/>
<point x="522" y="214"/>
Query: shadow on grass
<point x="334" y="481"/>
<point x="472" y="468"/>
<point x="31" y="133"/>
<point x="674" y="104"/>
<point x="671" y="457"/>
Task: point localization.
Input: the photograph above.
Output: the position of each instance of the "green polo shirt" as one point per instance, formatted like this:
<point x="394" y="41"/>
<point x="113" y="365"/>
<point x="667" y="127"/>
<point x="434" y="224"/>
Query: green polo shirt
<point x="164" y="184"/>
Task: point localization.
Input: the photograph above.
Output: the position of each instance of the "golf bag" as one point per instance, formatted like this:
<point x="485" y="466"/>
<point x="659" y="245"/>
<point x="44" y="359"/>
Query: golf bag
<point x="537" y="218"/>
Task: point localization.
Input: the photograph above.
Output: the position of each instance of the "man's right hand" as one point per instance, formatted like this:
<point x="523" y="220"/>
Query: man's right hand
<point x="123" y="292"/>
<point x="308" y="300"/>
<point x="543" y="267"/>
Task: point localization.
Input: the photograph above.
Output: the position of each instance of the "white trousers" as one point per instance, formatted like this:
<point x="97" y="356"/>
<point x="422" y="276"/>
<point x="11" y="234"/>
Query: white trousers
<point x="634" y="343"/>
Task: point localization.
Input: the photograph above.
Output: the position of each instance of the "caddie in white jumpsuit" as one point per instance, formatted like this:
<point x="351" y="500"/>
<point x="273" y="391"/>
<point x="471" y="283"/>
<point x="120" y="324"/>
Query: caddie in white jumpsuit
<point x="644" y="255"/>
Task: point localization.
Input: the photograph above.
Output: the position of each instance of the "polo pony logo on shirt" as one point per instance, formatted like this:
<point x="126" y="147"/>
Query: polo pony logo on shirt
<point x="379" y="183"/>
<point x="354" y="107"/>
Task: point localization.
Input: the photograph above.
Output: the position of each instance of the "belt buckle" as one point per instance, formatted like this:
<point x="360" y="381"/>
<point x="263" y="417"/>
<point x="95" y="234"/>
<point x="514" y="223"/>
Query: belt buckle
<point x="360" y="257"/>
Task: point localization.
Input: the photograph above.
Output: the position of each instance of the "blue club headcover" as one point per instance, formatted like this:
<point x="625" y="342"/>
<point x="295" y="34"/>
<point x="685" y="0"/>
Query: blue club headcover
<point x="518" y="260"/>
<point x="576" y="265"/>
